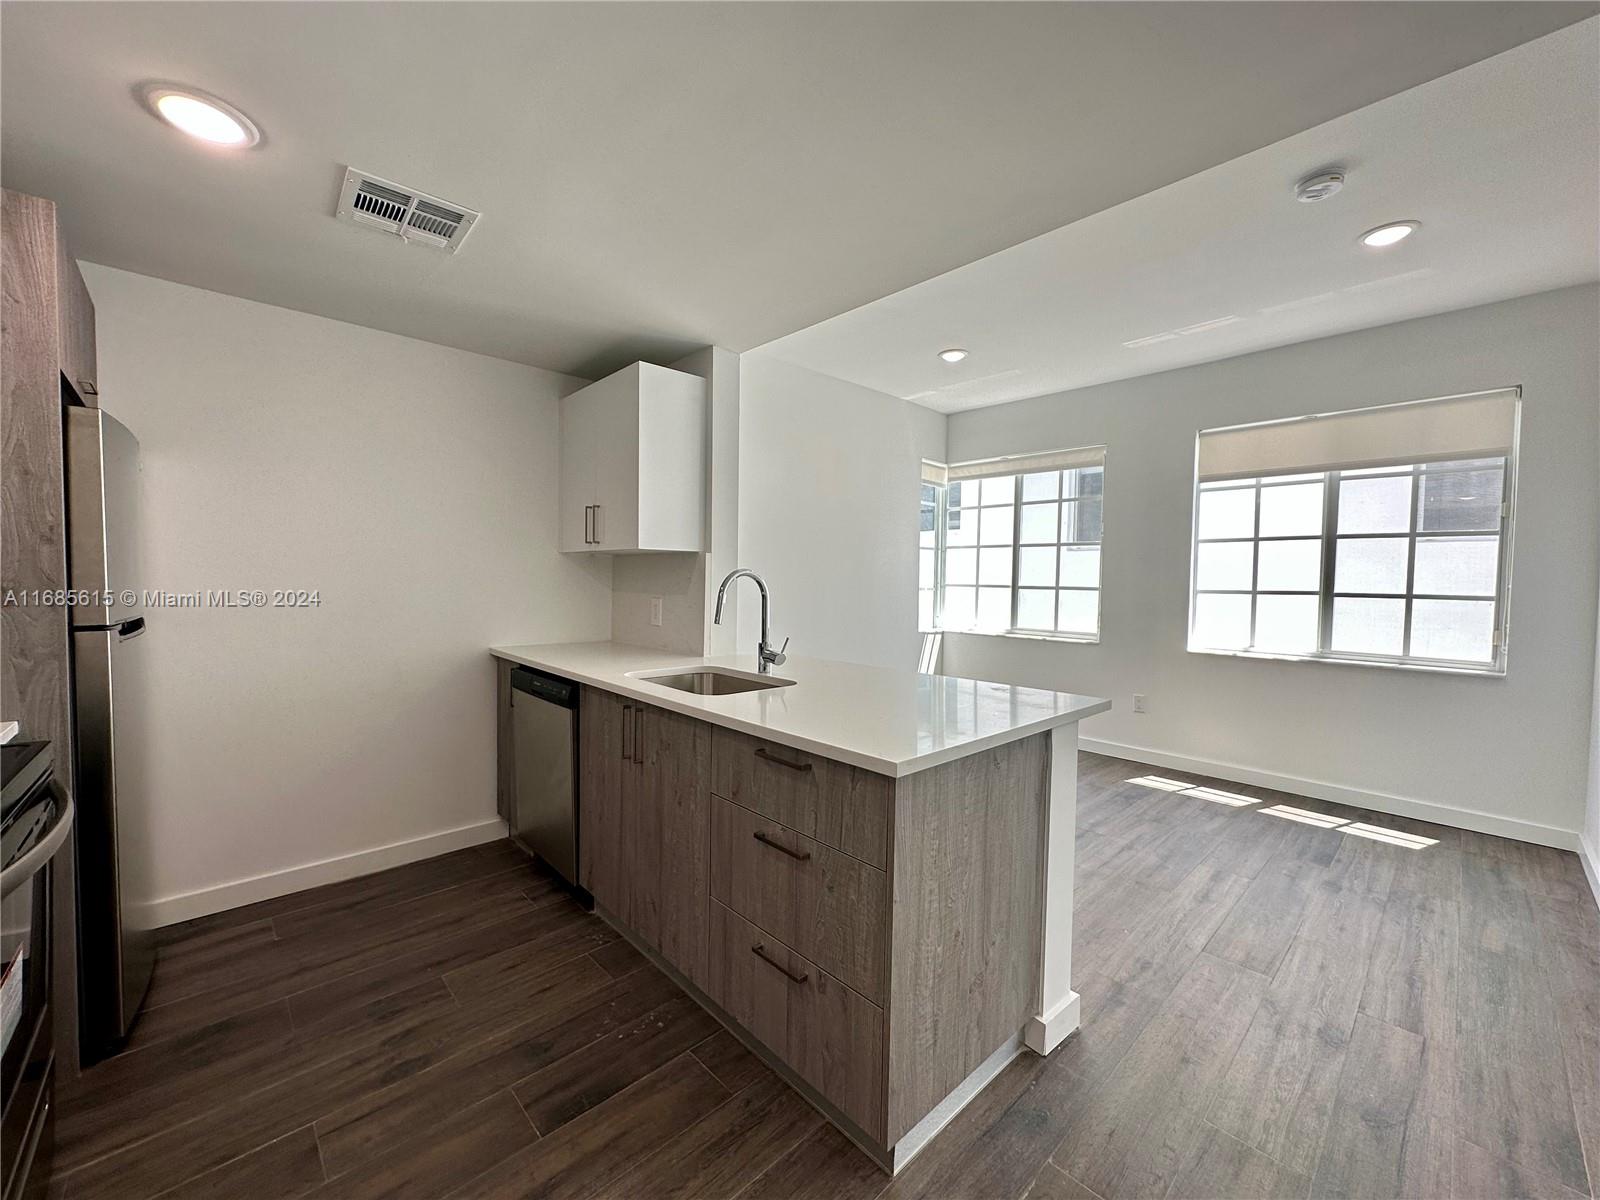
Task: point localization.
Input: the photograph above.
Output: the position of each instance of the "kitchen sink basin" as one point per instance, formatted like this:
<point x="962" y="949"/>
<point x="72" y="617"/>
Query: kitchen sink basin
<point x="713" y="682"/>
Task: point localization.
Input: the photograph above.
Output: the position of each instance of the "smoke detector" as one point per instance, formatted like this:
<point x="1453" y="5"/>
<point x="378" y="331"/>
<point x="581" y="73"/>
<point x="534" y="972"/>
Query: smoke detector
<point x="410" y="215"/>
<point x="1319" y="186"/>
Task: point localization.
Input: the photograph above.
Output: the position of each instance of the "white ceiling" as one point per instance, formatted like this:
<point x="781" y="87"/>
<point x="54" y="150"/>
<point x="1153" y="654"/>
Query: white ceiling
<point x="1500" y="161"/>
<point x="656" y="177"/>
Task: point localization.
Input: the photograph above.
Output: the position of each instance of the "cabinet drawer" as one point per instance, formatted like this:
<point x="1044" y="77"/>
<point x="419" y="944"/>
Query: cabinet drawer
<point x="841" y="806"/>
<point x="829" y="1035"/>
<point x="830" y="907"/>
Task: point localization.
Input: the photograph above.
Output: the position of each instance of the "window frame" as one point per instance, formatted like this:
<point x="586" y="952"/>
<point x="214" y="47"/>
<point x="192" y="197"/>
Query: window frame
<point x="1327" y="592"/>
<point x="1015" y="587"/>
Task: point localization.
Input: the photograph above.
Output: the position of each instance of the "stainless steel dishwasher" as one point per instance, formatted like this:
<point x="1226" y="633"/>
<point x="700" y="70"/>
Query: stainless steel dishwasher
<point x="544" y="740"/>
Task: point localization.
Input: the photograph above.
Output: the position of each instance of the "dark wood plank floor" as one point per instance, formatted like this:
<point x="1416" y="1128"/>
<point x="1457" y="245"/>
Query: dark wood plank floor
<point x="1270" y="1009"/>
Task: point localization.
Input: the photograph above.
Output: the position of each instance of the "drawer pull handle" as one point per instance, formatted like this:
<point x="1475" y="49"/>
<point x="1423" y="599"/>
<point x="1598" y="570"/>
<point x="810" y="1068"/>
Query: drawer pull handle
<point x="760" y="952"/>
<point x="763" y="752"/>
<point x="797" y="855"/>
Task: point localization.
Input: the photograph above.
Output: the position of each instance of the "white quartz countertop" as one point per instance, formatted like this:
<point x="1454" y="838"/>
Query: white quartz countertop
<point x="892" y="722"/>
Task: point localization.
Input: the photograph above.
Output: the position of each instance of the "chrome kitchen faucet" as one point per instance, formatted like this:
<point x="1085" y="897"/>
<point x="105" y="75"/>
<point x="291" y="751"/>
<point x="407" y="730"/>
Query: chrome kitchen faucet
<point x="766" y="656"/>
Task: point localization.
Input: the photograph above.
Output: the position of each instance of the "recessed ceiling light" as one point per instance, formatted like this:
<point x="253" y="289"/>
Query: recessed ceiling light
<point x="202" y="116"/>
<point x="952" y="355"/>
<point x="1388" y="235"/>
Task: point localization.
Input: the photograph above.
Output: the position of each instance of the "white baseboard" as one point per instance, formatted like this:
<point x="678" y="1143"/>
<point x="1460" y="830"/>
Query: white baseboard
<point x="1047" y="1031"/>
<point x="187" y="905"/>
<point x="1589" y="856"/>
<point x="1400" y="806"/>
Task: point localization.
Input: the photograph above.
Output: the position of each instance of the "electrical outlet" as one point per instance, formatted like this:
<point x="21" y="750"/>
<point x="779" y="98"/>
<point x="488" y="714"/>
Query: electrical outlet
<point x="655" y="610"/>
<point x="1138" y="703"/>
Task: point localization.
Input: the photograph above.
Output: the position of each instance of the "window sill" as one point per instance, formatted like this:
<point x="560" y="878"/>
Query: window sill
<point x="1025" y="635"/>
<point x="1492" y="671"/>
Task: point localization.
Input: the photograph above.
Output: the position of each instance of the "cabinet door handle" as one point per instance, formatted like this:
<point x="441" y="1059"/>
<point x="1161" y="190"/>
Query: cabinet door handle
<point x="627" y="724"/>
<point x="638" y="735"/>
<point x="763" y="752"/>
<point x="760" y="952"/>
<point x="797" y="855"/>
<point x="586" y="510"/>
<point x="596" y="524"/>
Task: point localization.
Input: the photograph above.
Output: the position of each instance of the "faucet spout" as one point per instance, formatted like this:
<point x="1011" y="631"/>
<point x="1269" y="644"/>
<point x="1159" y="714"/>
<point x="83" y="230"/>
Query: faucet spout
<point x="766" y="656"/>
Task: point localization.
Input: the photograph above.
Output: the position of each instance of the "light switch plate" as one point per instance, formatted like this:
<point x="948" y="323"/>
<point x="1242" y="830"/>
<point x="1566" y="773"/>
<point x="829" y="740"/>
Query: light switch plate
<point x="655" y="610"/>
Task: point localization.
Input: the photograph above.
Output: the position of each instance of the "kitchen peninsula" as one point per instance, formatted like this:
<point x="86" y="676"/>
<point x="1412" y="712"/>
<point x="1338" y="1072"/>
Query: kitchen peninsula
<point x="866" y="873"/>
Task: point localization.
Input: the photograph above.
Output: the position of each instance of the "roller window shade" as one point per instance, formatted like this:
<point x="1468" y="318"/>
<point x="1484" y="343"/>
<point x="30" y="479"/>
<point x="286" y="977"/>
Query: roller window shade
<point x="1015" y="464"/>
<point x="1482" y="425"/>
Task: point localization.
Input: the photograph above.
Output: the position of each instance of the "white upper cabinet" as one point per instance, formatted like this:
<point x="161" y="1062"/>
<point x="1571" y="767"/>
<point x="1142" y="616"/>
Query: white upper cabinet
<point x="633" y="463"/>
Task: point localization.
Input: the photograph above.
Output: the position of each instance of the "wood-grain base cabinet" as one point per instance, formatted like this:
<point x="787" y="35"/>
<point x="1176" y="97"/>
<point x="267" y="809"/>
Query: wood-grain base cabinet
<point x="830" y="907"/>
<point x="642" y="822"/>
<point x="828" y="1034"/>
<point x="878" y="937"/>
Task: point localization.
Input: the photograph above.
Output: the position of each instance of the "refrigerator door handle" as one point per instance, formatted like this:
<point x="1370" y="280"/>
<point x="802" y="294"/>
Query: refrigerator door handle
<point x="130" y="629"/>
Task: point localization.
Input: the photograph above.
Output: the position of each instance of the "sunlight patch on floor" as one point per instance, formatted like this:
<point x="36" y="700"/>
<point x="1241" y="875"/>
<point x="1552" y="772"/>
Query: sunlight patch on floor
<point x="1218" y="796"/>
<point x="1320" y="820"/>
<point x="1377" y="833"/>
<point x="1162" y="785"/>
<point x="1198" y="790"/>
<point x="1411" y="841"/>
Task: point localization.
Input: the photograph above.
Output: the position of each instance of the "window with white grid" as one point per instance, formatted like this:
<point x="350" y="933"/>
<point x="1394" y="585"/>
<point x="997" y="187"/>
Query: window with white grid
<point x="1014" y="551"/>
<point x="1390" y="563"/>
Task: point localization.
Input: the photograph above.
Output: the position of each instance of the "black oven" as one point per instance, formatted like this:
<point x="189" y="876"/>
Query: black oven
<point x="33" y="824"/>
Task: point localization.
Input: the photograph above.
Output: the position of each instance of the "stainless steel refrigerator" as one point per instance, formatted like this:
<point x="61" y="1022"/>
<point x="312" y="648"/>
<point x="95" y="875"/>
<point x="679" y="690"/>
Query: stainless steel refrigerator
<point x="110" y="644"/>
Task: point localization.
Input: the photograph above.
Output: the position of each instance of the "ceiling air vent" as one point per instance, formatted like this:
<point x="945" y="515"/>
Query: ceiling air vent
<point x="411" y="215"/>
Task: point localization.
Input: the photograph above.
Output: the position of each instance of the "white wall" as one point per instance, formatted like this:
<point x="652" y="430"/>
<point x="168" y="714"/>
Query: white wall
<point x="415" y="487"/>
<point x="1589" y="851"/>
<point x="1513" y="749"/>
<point x="828" y="479"/>
<point x="1590" y="848"/>
<point x="679" y="580"/>
<point x="722" y="494"/>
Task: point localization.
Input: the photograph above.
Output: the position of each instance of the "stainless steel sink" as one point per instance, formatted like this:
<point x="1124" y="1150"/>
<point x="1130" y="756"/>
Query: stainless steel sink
<point x="712" y="682"/>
